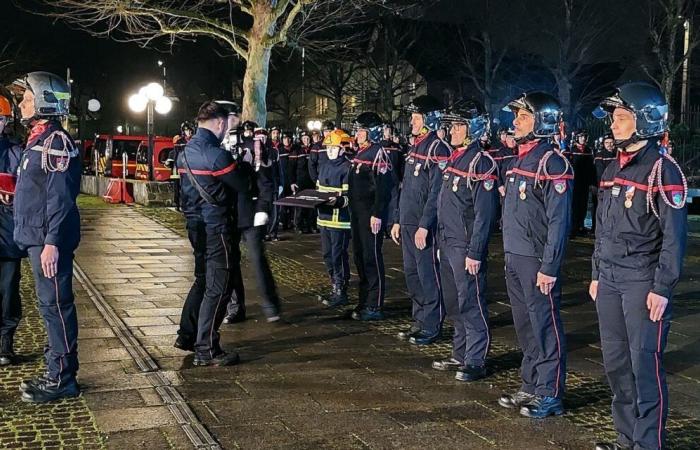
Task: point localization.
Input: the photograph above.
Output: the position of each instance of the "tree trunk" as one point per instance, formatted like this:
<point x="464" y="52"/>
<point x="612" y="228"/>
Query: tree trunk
<point x="255" y="83"/>
<point x="564" y="88"/>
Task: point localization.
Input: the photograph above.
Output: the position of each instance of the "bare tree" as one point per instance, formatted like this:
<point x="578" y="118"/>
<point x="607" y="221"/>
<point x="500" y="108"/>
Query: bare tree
<point x="249" y="28"/>
<point x="391" y="43"/>
<point x="285" y="89"/>
<point x="333" y="79"/>
<point x="666" y="22"/>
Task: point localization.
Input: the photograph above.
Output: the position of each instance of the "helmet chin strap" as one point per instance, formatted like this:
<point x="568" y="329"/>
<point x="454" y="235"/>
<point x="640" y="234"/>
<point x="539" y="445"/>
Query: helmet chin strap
<point x="623" y="144"/>
<point x="529" y="137"/>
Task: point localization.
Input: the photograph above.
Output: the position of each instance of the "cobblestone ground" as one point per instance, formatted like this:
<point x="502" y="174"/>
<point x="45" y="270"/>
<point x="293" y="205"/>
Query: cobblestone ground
<point x="296" y="264"/>
<point x="66" y="424"/>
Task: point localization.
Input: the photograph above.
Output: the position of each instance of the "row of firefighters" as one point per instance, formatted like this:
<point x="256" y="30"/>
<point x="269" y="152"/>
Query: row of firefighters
<point x="441" y="199"/>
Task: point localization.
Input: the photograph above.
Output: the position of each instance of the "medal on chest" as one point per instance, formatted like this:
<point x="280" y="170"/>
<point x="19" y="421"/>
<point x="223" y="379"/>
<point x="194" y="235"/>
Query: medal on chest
<point x="411" y="160"/>
<point x="522" y="188"/>
<point x="615" y="192"/>
<point x="455" y="184"/>
<point x="357" y="170"/>
<point x="629" y="194"/>
<point x="416" y="171"/>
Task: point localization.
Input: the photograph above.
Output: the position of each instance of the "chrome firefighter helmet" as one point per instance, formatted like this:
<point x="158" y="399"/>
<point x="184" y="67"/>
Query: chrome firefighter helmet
<point x="645" y="101"/>
<point x="544" y="107"/>
<point x="51" y="94"/>
<point x="371" y="122"/>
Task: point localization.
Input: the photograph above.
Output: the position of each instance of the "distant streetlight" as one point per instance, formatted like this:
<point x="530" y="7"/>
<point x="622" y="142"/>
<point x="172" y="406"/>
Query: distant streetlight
<point x="150" y="98"/>
<point x="120" y="129"/>
<point x="314" y="125"/>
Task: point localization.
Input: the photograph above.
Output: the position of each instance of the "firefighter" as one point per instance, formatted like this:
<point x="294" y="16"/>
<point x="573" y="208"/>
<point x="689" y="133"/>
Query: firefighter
<point x="603" y="157"/>
<point x="211" y="183"/>
<point x="370" y="184"/>
<point x="179" y="141"/>
<point x="301" y="179"/>
<point x="467" y="207"/>
<point x="581" y="158"/>
<point x="10" y="254"/>
<point x="253" y="214"/>
<point x="639" y="248"/>
<point x="334" y="217"/>
<point x="318" y="153"/>
<point x="415" y="221"/>
<point x="47" y="226"/>
<point x="280" y="159"/>
<point x="286" y="150"/>
<point x="537" y="210"/>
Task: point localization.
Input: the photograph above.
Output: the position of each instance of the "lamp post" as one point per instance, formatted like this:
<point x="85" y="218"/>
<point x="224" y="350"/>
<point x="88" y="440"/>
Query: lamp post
<point x="150" y="98"/>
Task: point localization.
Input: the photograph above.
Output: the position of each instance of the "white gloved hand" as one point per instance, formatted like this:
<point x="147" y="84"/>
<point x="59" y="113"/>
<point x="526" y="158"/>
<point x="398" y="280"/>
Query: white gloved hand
<point x="260" y="219"/>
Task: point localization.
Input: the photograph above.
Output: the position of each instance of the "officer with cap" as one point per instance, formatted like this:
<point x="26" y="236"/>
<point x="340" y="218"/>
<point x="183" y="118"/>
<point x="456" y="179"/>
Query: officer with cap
<point x="581" y="158"/>
<point x="211" y="184"/>
<point x="10" y="254"/>
<point x="370" y="183"/>
<point x="639" y="248"/>
<point x="334" y="216"/>
<point x="47" y="226"/>
<point x="415" y="221"/>
<point x="604" y="155"/>
<point x="467" y="208"/>
<point x="537" y="215"/>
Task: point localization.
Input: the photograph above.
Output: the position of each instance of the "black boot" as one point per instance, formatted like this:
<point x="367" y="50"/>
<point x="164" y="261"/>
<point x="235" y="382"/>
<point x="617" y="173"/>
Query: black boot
<point x="7" y="353"/>
<point x="26" y="385"/>
<point x="50" y="390"/>
<point x="340" y="297"/>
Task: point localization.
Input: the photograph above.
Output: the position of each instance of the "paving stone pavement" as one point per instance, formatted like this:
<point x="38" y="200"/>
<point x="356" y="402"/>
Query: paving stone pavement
<point x="317" y="380"/>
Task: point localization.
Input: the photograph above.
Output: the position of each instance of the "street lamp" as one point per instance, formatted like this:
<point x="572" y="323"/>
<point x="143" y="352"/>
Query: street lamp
<point x="150" y="98"/>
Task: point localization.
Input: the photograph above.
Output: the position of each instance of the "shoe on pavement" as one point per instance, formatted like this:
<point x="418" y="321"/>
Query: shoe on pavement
<point x="184" y="344"/>
<point x="50" y="390"/>
<point x="516" y="400"/>
<point x="471" y="373"/>
<point x="543" y="407"/>
<point x="26" y="385"/>
<point x="238" y="317"/>
<point x="447" y="364"/>
<point x="219" y="360"/>
<point x="424" y="338"/>
<point x="367" y="315"/>
<point x="406" y="334"/>
<point x="7" y="352"/>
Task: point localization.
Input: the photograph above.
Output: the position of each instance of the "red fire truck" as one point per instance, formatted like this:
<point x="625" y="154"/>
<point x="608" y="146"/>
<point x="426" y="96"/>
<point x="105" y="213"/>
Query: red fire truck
<point x="162" y="146"/>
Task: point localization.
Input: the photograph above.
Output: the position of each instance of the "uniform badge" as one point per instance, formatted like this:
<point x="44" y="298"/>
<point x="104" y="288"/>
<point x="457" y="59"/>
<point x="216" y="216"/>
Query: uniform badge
<point x="488" y="185"/>
<point x="416" y="171"/>
<point x="616" y="191"/>
<point x="455" y="184"/>
<point x="560" y="186"/>
<point x="522" y="187"/>
<point x="629" y="194"/>
<point x="511" y="180"/>
<point x="442" y="164"/>
<point x="411" y="160"/>
<point x="446" y="176"/>
<point x="677" y="198"/>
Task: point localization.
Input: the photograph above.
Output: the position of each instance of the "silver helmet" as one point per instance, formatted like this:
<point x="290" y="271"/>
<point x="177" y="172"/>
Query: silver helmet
<point x="51" y="93"/>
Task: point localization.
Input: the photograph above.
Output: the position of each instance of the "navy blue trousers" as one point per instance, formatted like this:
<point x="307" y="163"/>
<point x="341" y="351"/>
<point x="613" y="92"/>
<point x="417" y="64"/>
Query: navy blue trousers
<point x="422" y="274"/>
<point x="538" y="327"/>
<point x="10" y="302"/>
<point x="633" y="348"/>
<point x="465" y="304"/>
<point x="334" y="245"/>
<point x="57" y="308"/>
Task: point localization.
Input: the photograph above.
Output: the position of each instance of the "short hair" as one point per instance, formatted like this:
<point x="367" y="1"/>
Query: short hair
<point x="211" y="110"/>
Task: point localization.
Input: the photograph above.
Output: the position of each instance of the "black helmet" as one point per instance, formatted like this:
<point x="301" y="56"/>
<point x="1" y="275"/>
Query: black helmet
<point x="231" y="107"/>
<point x="371" y="122"/>
<point x="579" y="132"/>
<point x="645" y="101"/>
<point x="608" y="136"/>
<point x="469" y="112"/>
<point x="328" y="125"/>
<point x="186" y="125"/>
<point x="249" y="125"/>
<point x="545" y="108"/>
<point x="275" y="129"/>
<point x="429" y="107"/>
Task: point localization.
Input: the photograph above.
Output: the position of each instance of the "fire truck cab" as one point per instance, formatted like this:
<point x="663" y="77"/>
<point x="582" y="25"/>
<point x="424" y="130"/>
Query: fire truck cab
<point x="110" y="150"/>
<point x="162" y="146"/>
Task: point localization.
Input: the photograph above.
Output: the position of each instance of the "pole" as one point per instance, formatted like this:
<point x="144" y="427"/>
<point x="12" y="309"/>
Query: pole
<point x="303" y="103"/>
<point x="149" y="129"/>
<point x="97" y="163"/>
<point x="685" y="91"/>
<point x="165" y="90"/>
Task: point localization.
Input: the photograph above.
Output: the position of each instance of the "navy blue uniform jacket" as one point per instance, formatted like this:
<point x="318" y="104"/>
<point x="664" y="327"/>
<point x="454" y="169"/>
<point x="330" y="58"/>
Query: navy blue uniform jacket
<point x="631" y="243"/>
<point x="45" y="208"/>
<point x="9" y="163"/>
<point x="537" y="208"/>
